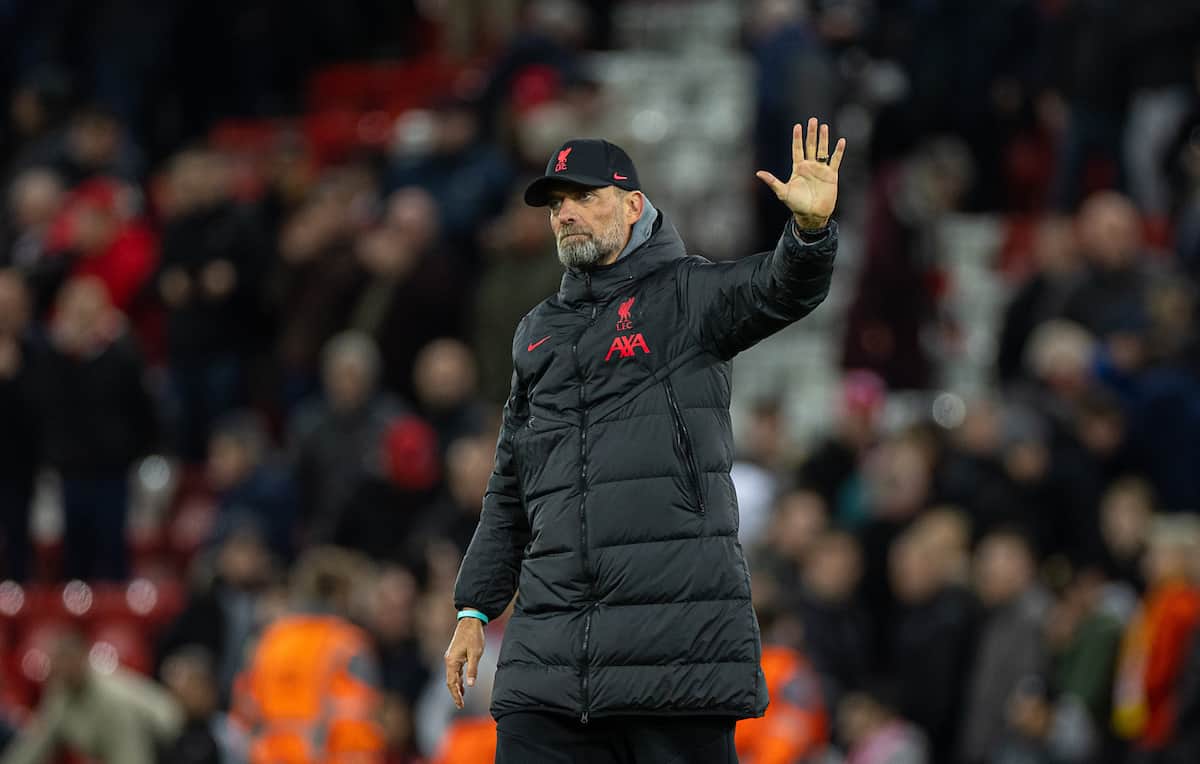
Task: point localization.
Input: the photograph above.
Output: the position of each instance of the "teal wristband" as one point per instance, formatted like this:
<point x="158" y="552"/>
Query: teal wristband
<point x="472" y="613"/>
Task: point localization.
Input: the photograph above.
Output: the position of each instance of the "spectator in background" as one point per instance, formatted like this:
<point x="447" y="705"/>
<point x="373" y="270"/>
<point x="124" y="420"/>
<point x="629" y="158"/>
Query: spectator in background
<point x="97" y="233"/>
<point x="896" y="302"/>
<point x="387" y="507"/>
<point x="1185" y="748"/>
<point x="35" y="198"/>
<point x="799" y="518"/>
<point x="875" y="733"/>
<point x="834" y="466"/>
<point x="310" y="691"/>
<point x="97" y="418"/>
<point x="334" y="440"/>
<point x="1010" y="645"/>
<point x="411" y="293"/>
<point x="757" y="469"/>
<point x="794" y="76"/>
<point x="20" y="438"/>
<point x="225" y="608"/>
<point x="93" y="143"/>
<point x="1126" y="512"/>
<point x="391" y="618"/>
<point x="931" y="643"/>
<point x="795" y="727"/>
<point x="1157" y="641"/>
<point x="110" y="717"/>
<point x="467" y="177"/>
<point x="836" y="630"/>
<point x="251" y="487"/>
<point x="1042" y="295"/>
<point x="213" y="255"/>
<point x="1082" y="640"/>
<point x="468" y="467"/>
<point x="521" y="270"/>
<point x="1111" y="294"/>
<point x="446" y="381"/>
<point x="310" y="288"/>
<point x="206" y="737"/>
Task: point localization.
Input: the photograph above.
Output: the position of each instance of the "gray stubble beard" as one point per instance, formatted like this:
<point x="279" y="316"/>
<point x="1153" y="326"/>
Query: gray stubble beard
<point x="593" y="248"/>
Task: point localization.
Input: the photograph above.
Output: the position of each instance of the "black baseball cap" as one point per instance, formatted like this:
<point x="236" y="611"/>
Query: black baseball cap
<point x="587" y="162"/>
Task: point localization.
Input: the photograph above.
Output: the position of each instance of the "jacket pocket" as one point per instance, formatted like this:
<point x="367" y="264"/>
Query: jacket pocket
<point x="683" y="446"/>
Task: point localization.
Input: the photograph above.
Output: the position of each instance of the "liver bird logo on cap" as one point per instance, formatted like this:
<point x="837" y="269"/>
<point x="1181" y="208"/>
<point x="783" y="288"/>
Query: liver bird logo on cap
<point x="562" y="160"/>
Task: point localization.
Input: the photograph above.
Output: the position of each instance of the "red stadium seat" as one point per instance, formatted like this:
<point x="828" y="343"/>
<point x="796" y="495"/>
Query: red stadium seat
<point x="120" y="643"/>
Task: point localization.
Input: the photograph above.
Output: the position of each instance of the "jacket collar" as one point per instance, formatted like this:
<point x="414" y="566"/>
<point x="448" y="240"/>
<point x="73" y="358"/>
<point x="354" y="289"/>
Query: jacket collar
<point x="598" y="284"/>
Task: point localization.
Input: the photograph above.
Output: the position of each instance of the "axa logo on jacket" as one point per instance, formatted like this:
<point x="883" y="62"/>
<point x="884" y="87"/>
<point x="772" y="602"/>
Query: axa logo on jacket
<point x="625" y="345"/>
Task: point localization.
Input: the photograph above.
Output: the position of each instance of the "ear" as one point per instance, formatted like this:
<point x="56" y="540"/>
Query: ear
<point x="634" y="203"/>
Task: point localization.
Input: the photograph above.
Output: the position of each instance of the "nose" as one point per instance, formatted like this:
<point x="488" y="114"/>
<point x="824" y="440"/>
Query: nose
<point x="567" y="212"/>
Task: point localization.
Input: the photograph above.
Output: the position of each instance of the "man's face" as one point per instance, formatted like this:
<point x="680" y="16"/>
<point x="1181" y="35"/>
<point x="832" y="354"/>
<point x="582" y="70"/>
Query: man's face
<point x="591" y="225"/>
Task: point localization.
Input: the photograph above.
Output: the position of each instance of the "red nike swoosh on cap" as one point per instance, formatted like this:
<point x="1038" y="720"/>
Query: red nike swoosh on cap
<point x="619" y="176"/>
<point x="535" y="344"/>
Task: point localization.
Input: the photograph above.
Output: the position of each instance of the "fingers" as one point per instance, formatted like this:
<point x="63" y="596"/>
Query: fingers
<point x="775" y="184"/>
<point x="810" y="143"/>
<point x="473" y="656"/>
<point x="454" y="679"/>
<point x="797" y="145"/>
<point x="835" y="161"/>
<point x="823" y="144"/>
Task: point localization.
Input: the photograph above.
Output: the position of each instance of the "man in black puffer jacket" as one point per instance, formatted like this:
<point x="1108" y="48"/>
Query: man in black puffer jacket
<point x="610" y="506"/>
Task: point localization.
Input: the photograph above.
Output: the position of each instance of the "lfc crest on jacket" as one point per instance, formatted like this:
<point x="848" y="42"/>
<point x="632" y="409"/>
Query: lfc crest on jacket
<point x="625" y="345"/>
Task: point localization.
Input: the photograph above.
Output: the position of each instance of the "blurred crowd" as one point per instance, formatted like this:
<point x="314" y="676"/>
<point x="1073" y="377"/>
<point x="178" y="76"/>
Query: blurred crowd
<point x="287" y="346"/>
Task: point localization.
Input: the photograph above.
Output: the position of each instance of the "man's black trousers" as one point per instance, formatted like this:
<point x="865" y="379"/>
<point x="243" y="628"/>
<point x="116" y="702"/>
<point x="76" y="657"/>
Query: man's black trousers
<point x="530" y="737"/>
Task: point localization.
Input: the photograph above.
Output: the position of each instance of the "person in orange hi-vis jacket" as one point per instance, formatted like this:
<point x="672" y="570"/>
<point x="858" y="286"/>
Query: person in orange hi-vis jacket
<point x="309" y="692"/>
<point x="796" y="725"/>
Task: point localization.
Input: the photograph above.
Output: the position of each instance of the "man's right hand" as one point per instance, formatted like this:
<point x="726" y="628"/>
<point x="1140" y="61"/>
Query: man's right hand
<point x="465" y="648"/>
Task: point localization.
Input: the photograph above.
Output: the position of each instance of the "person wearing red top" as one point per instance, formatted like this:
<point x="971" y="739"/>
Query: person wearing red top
<point x="1159" y="636"/>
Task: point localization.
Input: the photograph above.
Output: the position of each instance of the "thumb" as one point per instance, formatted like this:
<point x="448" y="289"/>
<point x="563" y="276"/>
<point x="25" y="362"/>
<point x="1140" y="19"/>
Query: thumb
<point x="775" y="184"/>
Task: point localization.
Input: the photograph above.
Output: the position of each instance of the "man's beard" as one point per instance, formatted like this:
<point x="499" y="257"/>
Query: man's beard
<point x="589" y="250"/>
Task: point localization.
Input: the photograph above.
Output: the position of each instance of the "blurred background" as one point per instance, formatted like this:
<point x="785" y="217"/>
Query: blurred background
<point x="260" y="264"/>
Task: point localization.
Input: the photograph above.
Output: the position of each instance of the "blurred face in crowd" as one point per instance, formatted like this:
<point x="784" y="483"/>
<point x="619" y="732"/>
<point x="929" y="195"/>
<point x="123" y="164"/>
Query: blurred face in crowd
<point x="834" y="567"/>
<point x="392" y="605"/>
<point x="979" y="432"/>
<point x="1110" y="230"/>
<point x="469" y="466"/>
<point x="190" y="679"/>
<point x="14" y="304"/>
<point x="95" y="138"/>
<point x="1055" y="247"/>
<point x="765" y="434"/>
<point x="230" y="461"/>
<point x="947" y="535"/>
<point x="858" y="716"/>
<point x="1125" y="514"/>
<point x="915" y="572"/>
<point x="93" y="228"/>
<point x="1004" y="569"/>
<point x="901" y="476"/>
<point x="198" y="179"/>
<point x="84" y="316"/>
<point x="350" y="371"/>
<point x="36" y="196"/>
<point x="592" y="225"/>
<point x="1174" y="550"/>
<point x="412" y="215"/>
<point x="444" y="374"/>
<point x="243" y="561"/>
<point x="800" y="519"/>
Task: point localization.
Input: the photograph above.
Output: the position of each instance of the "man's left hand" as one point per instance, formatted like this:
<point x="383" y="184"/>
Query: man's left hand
<point x="811" y="192"/>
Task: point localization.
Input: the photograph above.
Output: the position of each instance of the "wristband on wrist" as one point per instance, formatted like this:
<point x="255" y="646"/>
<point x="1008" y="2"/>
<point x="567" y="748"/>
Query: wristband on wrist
<point x="468" y="612"/>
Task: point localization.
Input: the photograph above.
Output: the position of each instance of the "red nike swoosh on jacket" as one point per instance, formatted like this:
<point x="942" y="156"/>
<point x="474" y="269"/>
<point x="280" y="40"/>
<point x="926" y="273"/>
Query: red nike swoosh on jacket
<point x="535" y="344"/>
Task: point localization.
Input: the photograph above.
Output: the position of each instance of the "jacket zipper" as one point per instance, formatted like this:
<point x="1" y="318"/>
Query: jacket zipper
<point x="583" y="544"/>
<point x="684" y="440"/>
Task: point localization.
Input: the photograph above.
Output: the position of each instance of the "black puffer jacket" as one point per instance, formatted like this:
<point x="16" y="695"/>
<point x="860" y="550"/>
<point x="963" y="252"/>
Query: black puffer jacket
<point x="611" y="506"/>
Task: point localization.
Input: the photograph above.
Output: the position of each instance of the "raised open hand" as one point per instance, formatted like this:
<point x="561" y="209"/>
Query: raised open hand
<point x="811" y="192"/>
